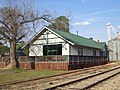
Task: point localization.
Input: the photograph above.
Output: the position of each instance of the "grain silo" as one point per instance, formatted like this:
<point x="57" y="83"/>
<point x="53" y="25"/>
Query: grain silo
<point x="113" y="43"/>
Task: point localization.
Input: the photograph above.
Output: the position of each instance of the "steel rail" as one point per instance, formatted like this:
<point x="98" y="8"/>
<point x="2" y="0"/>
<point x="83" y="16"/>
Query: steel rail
<point x="56" y="75"/>
<point x="81" y="79"/>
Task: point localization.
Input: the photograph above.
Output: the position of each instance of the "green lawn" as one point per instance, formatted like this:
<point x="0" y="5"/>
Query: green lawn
<point x="11" y="75"/>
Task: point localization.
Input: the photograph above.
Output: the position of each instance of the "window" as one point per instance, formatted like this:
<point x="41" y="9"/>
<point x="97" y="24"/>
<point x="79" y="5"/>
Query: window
<point x="80" y="51"/>
<point x="102" y="53"/>
<point x="52" y="49"/>
<point x="94" y="52"/>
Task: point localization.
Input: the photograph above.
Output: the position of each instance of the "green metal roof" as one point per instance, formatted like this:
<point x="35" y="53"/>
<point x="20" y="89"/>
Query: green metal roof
<point x="79" y="40"/>
<point x="102" y="45"/>
<point x="75" y="39"/>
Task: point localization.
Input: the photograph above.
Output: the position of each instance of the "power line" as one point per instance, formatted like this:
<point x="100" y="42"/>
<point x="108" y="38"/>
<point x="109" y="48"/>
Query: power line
<point x="83" y="16"/>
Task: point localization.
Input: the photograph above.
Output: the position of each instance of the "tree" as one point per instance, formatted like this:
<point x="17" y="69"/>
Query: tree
<point x="1" y="43"/>
<point x="24" y="51"/>
<point x="4" y="50"/>
<point x="16" y="21"/>
<point x="60" y="23"/>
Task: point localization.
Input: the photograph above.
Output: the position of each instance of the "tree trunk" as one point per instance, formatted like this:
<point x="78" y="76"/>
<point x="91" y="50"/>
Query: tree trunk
<point x="14" y="61"/>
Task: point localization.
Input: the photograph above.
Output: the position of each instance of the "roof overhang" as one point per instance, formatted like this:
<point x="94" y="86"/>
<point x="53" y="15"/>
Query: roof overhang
<point x="60" y="36"/>
<point x="89" y="47"/>
<point x="42" y="30"/>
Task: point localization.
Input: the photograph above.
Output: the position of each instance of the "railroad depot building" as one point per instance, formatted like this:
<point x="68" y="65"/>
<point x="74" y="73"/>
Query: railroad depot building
<point x="58" y="50"/>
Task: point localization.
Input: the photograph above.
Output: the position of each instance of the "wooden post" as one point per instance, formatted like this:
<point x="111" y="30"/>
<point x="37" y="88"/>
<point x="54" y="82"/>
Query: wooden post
<point x="2" y="59"/>
<point x="57" y="58"/>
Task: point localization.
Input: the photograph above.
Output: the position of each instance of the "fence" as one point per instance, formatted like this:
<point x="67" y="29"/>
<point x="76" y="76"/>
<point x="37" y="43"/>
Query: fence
<point x="65" y="62"/>
<point x="3" y="61"/>
<point x="56" y="58"/>
<point x="87" y="59"/>
<point x="60" y="58"/>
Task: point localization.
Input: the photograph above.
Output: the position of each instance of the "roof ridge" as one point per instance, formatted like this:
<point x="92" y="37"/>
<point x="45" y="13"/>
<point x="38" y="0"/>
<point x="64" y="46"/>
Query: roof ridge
<point x="78" y="40"/>
<point x="74" y="35"/>
<point x="70" y="37"/>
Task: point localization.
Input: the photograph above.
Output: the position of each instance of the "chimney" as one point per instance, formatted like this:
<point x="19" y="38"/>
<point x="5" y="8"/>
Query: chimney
<point x="77" y="32"/>
<point x="91" y="38"/>
<point x="98" y="41"/>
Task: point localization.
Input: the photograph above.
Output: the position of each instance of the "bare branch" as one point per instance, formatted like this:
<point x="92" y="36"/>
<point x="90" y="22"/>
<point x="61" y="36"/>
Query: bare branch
<point x="19" y="38"/>
<point x="5" y="25"/>
<point x="44" y="17"/>
<point x="4" y="35"/>
<point x="17" y="22"/>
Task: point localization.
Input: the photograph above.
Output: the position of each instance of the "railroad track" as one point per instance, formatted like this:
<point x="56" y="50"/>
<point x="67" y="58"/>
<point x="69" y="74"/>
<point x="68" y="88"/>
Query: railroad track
<point x="86" y="82"/>
<point x="58" y="77"/>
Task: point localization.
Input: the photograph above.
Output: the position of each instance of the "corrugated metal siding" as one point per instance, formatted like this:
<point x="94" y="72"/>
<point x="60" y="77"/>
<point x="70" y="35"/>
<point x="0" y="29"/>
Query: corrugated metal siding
<point x="114" y="50"/>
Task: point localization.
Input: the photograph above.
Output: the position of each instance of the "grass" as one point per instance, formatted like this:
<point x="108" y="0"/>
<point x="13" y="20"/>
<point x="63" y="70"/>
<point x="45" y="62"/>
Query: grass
<point x="13" y="75"/>
<point x="115" y="61"/>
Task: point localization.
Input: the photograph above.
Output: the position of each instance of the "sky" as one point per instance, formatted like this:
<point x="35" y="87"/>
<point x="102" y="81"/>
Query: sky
<point x="88" y="17"/>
